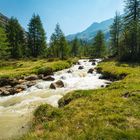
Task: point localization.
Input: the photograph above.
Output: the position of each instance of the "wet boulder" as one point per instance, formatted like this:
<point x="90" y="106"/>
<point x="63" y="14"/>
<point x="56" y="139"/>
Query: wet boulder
<point x="7" y="90"/>
<point x="58" y="84"/>
<point x="78" y="63"/>
<point x="93" y="63"/>
<point x="81" y="67"/>
<point x="40" y="76"/>
<point x="91" y="71"/>
<point x="20" y="88"/>
<point x="48" y="78"/>
<point x="8" y="81"/>
<point x="4" y="81"/>
<point x="31" y="78"/>
<point x="70" y="71"/>
<point x="30" y="83"/>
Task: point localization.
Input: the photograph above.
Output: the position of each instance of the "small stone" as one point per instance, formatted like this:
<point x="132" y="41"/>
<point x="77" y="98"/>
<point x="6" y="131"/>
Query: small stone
<point x="69" y="71"/>
<point x="102" y="86"/>
<point x="81" y="67"/>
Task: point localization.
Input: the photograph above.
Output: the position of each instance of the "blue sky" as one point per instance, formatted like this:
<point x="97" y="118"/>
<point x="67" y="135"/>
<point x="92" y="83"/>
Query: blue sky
<point x="72" y="15"/>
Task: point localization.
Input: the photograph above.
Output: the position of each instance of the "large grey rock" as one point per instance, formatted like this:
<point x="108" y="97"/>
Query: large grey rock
<point x="58" y="84"/>
<point x="48" y="78"/>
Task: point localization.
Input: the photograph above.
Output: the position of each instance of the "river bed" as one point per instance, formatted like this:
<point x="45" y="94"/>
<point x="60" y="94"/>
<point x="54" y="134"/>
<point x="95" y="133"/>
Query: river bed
<point x="16" y="110"/>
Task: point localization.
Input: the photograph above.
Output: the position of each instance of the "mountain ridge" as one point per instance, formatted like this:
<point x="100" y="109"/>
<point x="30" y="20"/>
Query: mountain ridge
<point x="89" y="33"/>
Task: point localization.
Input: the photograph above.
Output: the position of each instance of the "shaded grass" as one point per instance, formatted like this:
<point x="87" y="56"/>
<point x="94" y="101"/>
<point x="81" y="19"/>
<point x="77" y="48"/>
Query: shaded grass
<point x="17" y="68"/>
<point x="112" y="113"/>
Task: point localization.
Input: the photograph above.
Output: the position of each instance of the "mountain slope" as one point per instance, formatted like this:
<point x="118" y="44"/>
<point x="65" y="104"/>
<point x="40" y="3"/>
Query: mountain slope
<point x="91" y="31"/>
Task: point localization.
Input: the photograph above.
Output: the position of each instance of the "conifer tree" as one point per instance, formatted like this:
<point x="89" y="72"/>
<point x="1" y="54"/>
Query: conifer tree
<point x="75" y="47"/>
<point x="99" y="45"/>
<point x="58" y="43"/>
<point x="15" y="35"/>
<point x="115" y="32"/>
<point x="36" y="37"/>
<point x="131" y="26"/>
<point x="4" y="48"/>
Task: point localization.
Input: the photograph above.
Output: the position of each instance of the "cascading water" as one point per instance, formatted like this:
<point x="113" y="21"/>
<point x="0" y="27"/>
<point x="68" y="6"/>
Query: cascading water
<point x="16" y="110"/>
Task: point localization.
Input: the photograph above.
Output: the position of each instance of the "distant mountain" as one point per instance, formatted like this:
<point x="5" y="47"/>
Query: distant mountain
<point x="3" y="20"/>
<point x="91" y="31"/>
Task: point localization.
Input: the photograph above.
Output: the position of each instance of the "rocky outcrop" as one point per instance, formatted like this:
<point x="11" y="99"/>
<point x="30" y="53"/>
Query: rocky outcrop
<point x="58" y="84"/>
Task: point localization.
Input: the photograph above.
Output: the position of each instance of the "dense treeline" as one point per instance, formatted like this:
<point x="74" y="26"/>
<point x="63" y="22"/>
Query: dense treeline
<point x="124" y="42"/>
<point x="17" y="43"/>
<point x="125" y="33"/>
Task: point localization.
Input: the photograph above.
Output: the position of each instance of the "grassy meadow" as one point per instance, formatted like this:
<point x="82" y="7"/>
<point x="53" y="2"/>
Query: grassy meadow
<point x="23" y="67"/>
<point x="112" y="113"/>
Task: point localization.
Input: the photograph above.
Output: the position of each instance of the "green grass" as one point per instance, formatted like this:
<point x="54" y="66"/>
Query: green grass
<point x="17" y="68"/>
<point x="112" y="113"/>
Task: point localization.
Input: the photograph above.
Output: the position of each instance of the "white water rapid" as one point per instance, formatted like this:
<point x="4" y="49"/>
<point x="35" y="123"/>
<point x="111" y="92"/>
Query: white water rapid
<point x="16" y="110"/>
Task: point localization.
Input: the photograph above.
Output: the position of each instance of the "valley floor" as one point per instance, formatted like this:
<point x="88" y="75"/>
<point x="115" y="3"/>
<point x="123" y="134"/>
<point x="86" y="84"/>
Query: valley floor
<point x="112" y="113"/>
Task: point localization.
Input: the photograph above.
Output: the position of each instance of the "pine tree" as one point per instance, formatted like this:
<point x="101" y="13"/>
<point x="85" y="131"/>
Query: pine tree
<point x="99" y="45"/>
<point x="131" y="23"/>
<point x="115" y="32"/>
<point x="63" y="48"/>
<point x="58" y="43"/>
<point x="4" y="48"/>
<point x="15" y="35"/>
<point x="36" y="37"/>
<point x="75" y="47"/>
<point x="53" y="46"/>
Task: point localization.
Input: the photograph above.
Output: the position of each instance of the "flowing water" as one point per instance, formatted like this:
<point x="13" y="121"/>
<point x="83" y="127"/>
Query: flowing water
<point x="16" y="110"/>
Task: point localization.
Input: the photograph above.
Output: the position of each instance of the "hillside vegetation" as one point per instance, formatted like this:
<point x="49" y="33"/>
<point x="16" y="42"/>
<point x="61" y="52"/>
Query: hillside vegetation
<point x="103" y="114"/>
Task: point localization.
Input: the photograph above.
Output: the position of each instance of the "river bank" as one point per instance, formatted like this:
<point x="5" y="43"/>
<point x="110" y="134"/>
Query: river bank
<point x="18" y="75"/>
<point x="112" y="113"/>
<point x="16" y="110"/>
